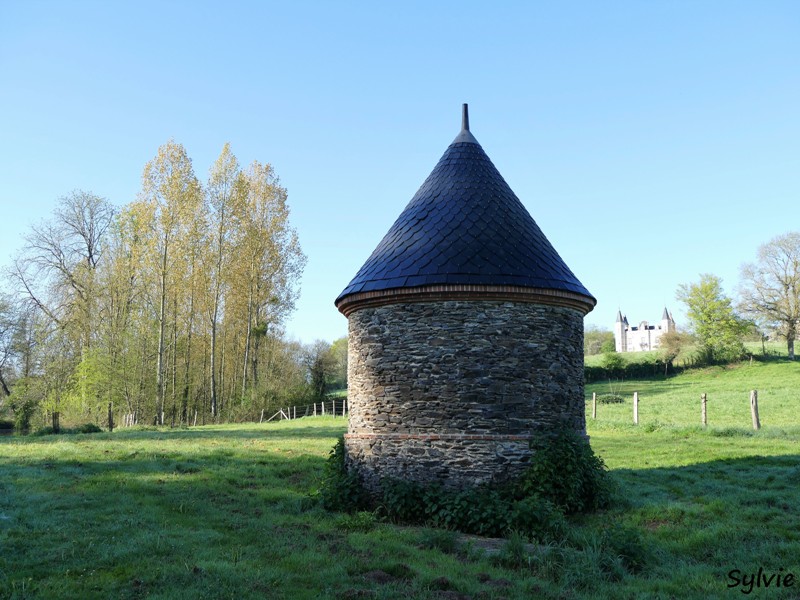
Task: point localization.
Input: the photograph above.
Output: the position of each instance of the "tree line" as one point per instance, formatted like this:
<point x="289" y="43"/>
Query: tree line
<point x="169" y="306"/>
<point x="767" y="306"/>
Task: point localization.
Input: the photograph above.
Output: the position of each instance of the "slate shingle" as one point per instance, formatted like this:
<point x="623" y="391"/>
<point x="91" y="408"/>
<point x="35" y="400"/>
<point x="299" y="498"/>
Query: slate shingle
<point x="464" y="225"/>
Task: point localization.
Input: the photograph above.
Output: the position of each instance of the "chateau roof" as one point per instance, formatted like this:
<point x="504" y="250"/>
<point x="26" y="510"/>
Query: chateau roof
<point x="464" y="227"/>
<point x="665" y="315"/>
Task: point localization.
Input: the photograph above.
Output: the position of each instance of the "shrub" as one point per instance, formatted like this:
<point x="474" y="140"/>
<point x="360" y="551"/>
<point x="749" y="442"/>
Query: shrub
<point x="23" y="413"/>
<point x="84" y="428"/>
<point x="88" y="428"/>
<point x="565" y="470"/>
<point x="405" y="501"/>
<point x="341" y="489"/>
<point x="610" y="399"/>
<point x="5" y="424"/>
<point x="48" y="431"/>
<point x="474" y="510"/>
<point x="539" y="518"/>
<point x="564" y="476"/>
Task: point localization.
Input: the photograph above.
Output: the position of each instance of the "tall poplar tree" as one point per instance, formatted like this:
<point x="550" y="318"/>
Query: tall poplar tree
<point x="173" y="192"/>
<point x="225" y="192"/>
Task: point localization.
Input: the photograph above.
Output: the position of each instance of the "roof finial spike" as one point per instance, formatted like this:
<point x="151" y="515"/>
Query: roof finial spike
<point x="465" y="117"/>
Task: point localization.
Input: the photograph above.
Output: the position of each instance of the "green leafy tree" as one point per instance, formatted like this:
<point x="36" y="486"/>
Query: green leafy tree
<point x="338" y="360"/>
<point x="671" y="344"/>
<point x="320" y="366"/>
<point x="713" y="320"/>
<point x="770" y="287"/>
<point x="613" y="363"/>
<point x="597" y="340"/>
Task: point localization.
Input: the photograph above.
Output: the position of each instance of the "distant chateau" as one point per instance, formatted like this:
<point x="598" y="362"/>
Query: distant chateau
<point x="642" y="338"/>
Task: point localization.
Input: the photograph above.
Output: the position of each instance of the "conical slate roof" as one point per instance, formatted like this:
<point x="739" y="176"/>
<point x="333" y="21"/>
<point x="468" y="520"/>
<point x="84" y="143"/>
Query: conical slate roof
<point x="465" y="227"/>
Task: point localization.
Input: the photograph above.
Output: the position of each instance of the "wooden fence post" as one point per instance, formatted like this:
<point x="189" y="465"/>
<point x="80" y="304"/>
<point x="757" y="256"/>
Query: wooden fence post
<point x="754" y="409"/>
<point x="323" y="407"/>
<point x="703" y="413"/>
<point x="594" y="405"/>
<point x="635" y="408"/>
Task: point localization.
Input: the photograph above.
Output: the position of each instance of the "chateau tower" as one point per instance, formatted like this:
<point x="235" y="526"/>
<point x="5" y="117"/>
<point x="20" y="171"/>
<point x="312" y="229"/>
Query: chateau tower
<point x="465" y="333"/>
<point x="620" y="328"/>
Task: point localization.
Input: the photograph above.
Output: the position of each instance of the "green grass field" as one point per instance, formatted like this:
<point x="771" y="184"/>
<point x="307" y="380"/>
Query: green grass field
<point x="223" y="512"/>
<point x="675" y="401"/>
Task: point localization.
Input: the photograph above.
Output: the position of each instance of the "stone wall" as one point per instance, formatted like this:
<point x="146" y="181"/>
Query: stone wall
<point x="452" y="391"/>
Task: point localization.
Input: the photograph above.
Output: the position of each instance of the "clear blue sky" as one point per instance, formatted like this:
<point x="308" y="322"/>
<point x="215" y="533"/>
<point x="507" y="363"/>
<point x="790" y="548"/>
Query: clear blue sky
<point x="651" y="141"/>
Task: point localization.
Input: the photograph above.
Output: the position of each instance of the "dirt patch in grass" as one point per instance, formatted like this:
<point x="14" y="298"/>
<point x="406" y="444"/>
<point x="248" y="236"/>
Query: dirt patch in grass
<point x="380" y="577"/>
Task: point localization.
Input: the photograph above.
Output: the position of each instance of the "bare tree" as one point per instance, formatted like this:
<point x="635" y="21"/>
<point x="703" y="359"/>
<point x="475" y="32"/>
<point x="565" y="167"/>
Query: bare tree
<point x="57" y="266"/>
<point x="7" y="331"/>
<point x="770" y="287"/>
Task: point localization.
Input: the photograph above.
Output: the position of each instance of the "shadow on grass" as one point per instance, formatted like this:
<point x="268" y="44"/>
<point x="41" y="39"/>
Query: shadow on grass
<point x="242" y="432"/>
<point x="720" y="515"/>
<point x="150" y="519"/>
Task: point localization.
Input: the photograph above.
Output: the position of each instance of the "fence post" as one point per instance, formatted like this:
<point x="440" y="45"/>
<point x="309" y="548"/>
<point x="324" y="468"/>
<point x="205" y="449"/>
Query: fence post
<point x="703" y="413"/>
<point x="754" y="409"/>
<point x="294" y="412"/>
<point x="110" y="418"/>
<point x="635" y="408"/>
<point x="594" y="405"/>
<point x="323" y="407"/>
<point x="315" y="409"/>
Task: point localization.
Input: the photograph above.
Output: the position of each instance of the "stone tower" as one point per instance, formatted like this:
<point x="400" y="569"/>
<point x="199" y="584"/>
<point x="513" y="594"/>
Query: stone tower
<point x="465" y="333"/>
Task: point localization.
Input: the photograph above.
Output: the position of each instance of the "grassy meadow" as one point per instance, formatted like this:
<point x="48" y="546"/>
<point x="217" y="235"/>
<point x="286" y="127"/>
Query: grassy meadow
<point x="675" y="401"/>
<point x="224" y="511"/>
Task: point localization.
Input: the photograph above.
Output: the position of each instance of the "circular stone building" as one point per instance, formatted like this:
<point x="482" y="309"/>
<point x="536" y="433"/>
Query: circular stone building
<point x="465" y="334"/>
